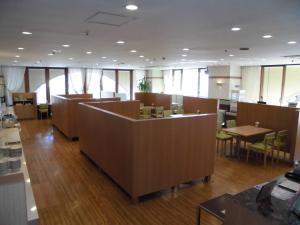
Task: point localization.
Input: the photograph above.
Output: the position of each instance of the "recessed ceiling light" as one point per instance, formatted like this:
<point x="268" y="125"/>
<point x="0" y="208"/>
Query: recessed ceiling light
<point x="236" y="29"/>
<point x="70" y="58"/>
<point x="103" y="57"/>
<point x="183" y="59"/>
<point x="88" y="53"/>
<point x="131" y="7"/>
<point x="115" y="60"/>
<point x="20" y="48"/>
<point x="38" y="62"/>
<point x="185" y="49"/>
<point x="147" y="60"/>
<point x="50" y="54"/>
<point x="184" y="55"/>
<point x="231" y="55"/>
<point x="97" y="64"/>
<point x="267" y="36"/>
<point x="65" y="46"/>
<point x="141" y="56"/>
<point x="17" y="56"/>
<point x="15" y="61"/>
<point x="151" y="62"/>
<point x="120" y="42"/>
<point x="292" y="42"/>
<point x="133" y="51"/>
<point x="26" y="33"/>
<point x="222" y="59"/>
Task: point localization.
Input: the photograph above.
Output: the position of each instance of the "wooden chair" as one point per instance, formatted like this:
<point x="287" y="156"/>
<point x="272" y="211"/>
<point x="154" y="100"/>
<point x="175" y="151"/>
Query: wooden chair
<point x="280" y="143"/>
<point x="265" y="147"/>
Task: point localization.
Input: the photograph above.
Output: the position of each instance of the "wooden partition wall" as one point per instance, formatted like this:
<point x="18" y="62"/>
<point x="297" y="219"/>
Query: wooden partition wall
<point x="204" y="105"/>
<point x="64" y="111"/>
<point x="156" y="99"/>
<point x="144" y="156"/>
<point x="272" y="117"/>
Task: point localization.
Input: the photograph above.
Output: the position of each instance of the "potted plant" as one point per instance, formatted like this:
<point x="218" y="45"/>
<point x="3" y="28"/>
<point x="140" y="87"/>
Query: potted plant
<point x="144" y="85"/>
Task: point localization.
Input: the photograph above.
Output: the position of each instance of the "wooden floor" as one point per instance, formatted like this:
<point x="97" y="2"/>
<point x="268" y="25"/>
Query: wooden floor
<point x="69" y="189"/>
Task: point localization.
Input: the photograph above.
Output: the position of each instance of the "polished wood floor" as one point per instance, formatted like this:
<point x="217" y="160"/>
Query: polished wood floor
<point x="69" y="189"/>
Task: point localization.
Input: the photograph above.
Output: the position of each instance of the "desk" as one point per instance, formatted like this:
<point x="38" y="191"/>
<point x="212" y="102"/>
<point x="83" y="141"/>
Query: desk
<point x="245" y="132"/>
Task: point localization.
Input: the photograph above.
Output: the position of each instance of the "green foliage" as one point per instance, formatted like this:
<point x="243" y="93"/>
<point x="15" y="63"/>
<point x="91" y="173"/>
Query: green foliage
<point x="144" y="85"/>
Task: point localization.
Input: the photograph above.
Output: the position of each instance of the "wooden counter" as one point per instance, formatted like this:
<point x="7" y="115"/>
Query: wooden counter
<point x="64" y="112"/>
<point x="144" y="156"/>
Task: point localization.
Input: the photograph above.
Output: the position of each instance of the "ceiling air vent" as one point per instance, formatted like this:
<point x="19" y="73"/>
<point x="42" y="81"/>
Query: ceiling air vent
<point x="291" y="56"/>
<point x="109" y="19"/>
<point x="244" y="49"/>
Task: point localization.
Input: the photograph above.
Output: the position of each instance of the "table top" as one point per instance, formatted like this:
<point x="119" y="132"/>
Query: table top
<point x="216" y="206"/>
<point x="247" y="131"/>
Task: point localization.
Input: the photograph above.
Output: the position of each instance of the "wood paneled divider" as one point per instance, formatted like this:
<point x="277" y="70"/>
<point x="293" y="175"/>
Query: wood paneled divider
<point x="156" y="99"/>
<point x="64" y="111"/>
<point x="272" y="117"/>
<point x="144" y="156"/>
<point x="204" y="105"/>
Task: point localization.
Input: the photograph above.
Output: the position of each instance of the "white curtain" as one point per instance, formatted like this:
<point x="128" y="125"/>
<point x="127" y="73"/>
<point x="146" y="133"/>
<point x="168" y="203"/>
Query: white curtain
<point x="76" y="80"/>
<point x="14" y="78"/>
<point x="93" y="82"/>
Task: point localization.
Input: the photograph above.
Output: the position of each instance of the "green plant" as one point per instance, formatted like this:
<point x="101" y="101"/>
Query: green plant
<point x="144" y="85"/>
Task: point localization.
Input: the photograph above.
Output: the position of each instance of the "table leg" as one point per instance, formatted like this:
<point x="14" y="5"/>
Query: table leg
<point x="198" y="216"/>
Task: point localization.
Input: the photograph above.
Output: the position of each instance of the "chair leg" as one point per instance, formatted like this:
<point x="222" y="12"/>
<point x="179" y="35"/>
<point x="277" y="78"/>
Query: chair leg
<point x="248" y="151"/>
<point x="231" y="145"/>
<point x="217" y="146"/>
<point x="265" y="158"/>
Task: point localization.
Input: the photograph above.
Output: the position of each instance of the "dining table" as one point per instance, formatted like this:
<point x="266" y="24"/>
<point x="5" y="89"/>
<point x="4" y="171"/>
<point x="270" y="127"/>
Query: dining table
<point x="244" y="132"/>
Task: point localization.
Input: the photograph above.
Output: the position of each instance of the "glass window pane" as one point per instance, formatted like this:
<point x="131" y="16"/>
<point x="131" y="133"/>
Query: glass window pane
<point x="93" y="82"/>
<point x="190" y="82"/>
<point x="272" y="85"/>
<point x="204" y="84"/>
<point x="109" y="81"/>
<point x="57" y="82"/>
<point x="177" y="82"/>
<point x="292" y="87"/>
<point x="167" y="76"/>
<point x="124" y="83"/>
<point x="75" y="81"/>
<point x="138" y="75"/>
<point x="37" y="83"/>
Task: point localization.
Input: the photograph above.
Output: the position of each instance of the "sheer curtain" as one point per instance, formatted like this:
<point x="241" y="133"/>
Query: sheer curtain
<point x="93" y="82"/>
<point x="76" y="80"/>
<point x="14" y="78"/>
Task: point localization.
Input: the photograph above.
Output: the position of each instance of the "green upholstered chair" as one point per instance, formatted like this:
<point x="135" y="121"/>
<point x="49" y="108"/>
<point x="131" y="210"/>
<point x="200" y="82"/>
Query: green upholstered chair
<point x="222" y="137"/>
<point x="265" y="147"/>
<point x="280" y="143"/>
<point x="167" y="113"/>
<point x="43" y="108"/>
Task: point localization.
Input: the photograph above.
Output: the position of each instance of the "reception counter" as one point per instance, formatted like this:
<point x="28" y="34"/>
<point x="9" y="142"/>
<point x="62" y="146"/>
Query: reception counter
<point x="145" y="156"/>
<point x="64" y="111"/>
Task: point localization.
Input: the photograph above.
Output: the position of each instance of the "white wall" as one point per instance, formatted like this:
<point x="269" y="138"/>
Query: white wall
<point x="251" y="82"/>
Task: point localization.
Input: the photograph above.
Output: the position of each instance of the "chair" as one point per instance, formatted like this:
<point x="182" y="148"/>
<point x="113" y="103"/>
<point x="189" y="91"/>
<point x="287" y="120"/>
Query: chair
<point x="280" y="143"/>
<point x="43" y="108"/>
<point x="159" y="111"/>
<point x="265" y="147"/>
<point x="223" y="137"/>
<point x="146" y="112"/>
<point x="167" y="113"/>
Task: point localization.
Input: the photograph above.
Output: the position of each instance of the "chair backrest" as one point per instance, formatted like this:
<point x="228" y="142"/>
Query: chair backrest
<point x="159" y="109"/>
<point x="167" y="113"/>
<point x="43" y="106"/>
<point x="269" y="138"/>
<point x="282" y="136"/>
<point x="147" y="110"/>
<point x="231" y="123"/>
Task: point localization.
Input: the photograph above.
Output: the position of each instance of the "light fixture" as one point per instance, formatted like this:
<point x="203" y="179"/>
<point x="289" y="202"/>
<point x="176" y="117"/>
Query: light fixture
<point x="292" y="42"/>
<point x="17" y="56"/>
<point x="20" y="48"/>
<point x="120" y="42"/>
<point x="26" y="33"/>
<point x="28" y="180"/>
<point x="222" y="59"/>
<point x="147" y="60"/>
<point x="115" y="60"/>
<point x="184" y="55"/>
<point x="88" y="53"/>
<point x="236" y="29"/>
<point x="103" y="57"/>
<point x="38" y="62"/>
<point x="183" y="59"/>
<point x="141" y="56"/>
<point x="70" y="58"/>
<point x="267" y="36"/>
<point x="219" y="83"/>
<point x="151" y="62"/>
<point x="15" y="61"/>
<point x="65" y="45"/>
<point x="32" y="209"/>
<point x="131" y="7"/>
<point x="133" y="51"/>
<point x="50" y="54"/>
<point x="231" y="55"/>
<point x="185" y="49"/>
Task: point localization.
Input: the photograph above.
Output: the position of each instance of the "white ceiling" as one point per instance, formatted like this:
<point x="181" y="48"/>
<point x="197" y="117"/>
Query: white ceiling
<point x="160" y="28"/>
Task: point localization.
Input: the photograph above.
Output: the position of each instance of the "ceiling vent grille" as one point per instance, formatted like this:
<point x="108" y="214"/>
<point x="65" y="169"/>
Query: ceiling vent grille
<point x="291" y="56"/>
<point x="109" y="19"/>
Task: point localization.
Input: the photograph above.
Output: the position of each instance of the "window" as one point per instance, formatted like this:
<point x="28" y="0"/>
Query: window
<point x="138" y="75"/>
<point x="272" y="85"/>
<point x="190" y="82"/>
<point x="204" y="83"/>
<point x="93" y="82"/>
<point x="57" y="82"/>
<point x="124" y="83"/>
<point x="176" y="83"/>
<point x="76" y="80"/>
<point x="37" y="83"/>
<point x="292" y="88"/>
<point x="109" y="81"/>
